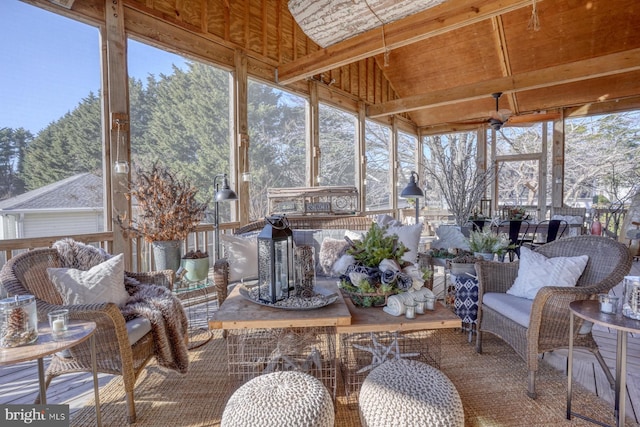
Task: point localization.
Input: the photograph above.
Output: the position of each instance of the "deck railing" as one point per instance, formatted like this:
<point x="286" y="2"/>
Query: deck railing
<point x="142" y="260"/>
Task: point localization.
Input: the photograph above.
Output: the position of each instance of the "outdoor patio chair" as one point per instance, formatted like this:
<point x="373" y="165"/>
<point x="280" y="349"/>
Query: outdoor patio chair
<point x="517" y="232"/>
<point x="547" y="231"/>
<point x="26" y="273"/>
<point x="547" y="315"/>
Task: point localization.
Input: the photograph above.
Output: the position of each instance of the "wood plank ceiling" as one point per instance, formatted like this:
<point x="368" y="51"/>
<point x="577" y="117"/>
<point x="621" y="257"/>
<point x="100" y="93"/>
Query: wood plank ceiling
<point x="444" y="62"/>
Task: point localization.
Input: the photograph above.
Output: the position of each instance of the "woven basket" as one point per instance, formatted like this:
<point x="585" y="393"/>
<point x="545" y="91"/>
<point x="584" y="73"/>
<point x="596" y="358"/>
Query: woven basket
<point x="368" y="299"/>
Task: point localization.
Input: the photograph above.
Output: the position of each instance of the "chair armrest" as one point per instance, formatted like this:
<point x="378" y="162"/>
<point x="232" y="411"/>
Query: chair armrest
<point x="161" y="278"/>
<point x="552" y="304"/>
<point x="111" y="338"/>
<point x="496" y="276"/>
<point x="221" y="279"/>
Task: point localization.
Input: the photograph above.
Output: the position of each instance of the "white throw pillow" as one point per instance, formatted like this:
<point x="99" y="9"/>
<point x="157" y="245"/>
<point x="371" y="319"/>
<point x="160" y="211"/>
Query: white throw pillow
<point x="409" y="235"/>
<point x="102" y="283"/>
<point x="242" y="253"/>
<point x="536" y="271"/>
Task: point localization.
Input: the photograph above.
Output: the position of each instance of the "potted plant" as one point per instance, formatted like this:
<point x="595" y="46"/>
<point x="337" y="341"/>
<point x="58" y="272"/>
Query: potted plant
<point x="196" y="265"/>
<point x="167" y="211"/>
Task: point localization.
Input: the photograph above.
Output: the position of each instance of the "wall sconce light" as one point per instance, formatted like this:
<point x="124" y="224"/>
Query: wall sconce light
<point x="120" y="166"/>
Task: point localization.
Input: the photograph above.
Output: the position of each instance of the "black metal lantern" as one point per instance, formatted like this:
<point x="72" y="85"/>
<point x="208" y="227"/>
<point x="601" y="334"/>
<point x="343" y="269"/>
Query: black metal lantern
<point x="275" y="260"/>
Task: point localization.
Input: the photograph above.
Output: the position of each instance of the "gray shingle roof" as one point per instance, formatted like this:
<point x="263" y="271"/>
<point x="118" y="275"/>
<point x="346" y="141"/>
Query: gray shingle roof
<point x="84" y="190"/>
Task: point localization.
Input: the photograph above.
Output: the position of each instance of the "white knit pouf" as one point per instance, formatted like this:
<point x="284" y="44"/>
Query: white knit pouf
<point x="279" y="399"/>
<point x="409" y="393"/>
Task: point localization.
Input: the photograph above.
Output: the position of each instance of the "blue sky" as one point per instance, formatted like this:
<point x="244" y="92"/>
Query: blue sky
<point x="50" y="63"/>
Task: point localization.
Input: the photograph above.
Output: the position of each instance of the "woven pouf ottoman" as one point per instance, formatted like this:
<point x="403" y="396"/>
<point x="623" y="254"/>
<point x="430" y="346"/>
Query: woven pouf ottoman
<point x="280" y="399"/>
<point x="409" y="393"/>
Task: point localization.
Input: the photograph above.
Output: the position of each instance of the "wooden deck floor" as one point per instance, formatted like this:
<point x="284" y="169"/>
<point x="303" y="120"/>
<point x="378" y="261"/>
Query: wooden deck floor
<point x="19" y="383"/>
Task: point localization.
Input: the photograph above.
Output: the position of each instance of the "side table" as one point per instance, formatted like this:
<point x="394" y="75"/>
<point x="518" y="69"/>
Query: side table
<point x="78" y="331"/>
<point x="192" y="294"/>
<point x="590" y="310"/>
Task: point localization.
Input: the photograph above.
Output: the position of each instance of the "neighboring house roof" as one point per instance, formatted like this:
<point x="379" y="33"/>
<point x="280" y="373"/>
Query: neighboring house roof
<point x="79" y="191"/>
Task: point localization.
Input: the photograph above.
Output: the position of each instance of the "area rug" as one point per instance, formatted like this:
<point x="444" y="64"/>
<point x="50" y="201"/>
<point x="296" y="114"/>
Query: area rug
<point x="492" y="386"/>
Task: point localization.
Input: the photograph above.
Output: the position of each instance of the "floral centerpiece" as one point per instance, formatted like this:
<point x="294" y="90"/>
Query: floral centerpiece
<point x="378" y="270"/>
<point x="517" y="213"/>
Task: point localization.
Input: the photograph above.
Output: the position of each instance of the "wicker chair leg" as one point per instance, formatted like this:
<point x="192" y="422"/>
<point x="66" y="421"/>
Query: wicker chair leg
<point x="531" y="386"/>
<point x="131" y="407"/>
<point x="479" y="342"/>
<point x="605" y="368"/>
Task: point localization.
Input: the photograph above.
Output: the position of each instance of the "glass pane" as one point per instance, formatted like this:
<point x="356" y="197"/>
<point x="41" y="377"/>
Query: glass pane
<point x="50" y="124"/>
<point x="377" y="149"/>
<point x="276" y="143"/>
<point x="180" y="113"/>
<point x="407" y="145"/>
<point x="518" y="140"/>
<point x="518" y="183"/>
<point x="337" y="146"/>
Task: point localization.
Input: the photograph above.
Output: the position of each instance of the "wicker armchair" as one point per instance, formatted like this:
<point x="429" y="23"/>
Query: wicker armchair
<point x="26" y="273"/>
<point x="356" y="223"/>
<point x="609" y="261"/>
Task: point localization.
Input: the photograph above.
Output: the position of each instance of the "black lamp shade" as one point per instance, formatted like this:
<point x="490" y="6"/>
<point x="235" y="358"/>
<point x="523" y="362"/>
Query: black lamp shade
<point x="226" y="193"/>
<point x="412" y="190"/>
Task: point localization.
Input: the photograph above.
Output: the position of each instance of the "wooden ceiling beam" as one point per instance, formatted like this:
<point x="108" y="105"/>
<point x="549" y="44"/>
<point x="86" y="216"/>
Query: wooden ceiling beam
<point x="437" y="20"/>
<point x="615" y="63"/>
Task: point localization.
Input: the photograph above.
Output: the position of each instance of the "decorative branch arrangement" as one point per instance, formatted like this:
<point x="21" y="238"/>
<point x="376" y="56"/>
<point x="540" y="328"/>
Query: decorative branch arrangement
<point x="167" y="207"/>
<point x="453" y="170"/>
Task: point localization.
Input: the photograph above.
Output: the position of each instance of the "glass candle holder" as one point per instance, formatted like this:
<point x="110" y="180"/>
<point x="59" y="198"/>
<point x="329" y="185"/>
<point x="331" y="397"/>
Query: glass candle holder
<point x="410" y="312"/>
<point x="608" y="303"/>
<point x="631" y="301"/>
<point x="430" y="303"/>
<point x="58" y="321"/>
<point x="421" y="302"/>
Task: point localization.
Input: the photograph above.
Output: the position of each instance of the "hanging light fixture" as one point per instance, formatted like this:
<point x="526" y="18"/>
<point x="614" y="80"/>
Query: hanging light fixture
<point x="222" y="195"/>
<point x="412" y="191"/>
<point x="120" y="166"/>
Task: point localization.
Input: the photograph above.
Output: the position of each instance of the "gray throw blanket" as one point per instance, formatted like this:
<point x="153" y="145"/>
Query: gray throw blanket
<point x="164" y="310"/>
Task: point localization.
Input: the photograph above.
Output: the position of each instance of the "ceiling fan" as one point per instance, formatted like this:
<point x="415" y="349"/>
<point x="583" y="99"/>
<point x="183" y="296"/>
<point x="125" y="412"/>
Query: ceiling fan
<point x="499" y="117"/>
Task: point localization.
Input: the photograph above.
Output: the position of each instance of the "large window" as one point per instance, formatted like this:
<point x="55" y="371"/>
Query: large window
<point x="377" y="151"/>
<point x="407" y="145"/>
<point x="180" y="116"/>
<point x="337" y="146"/>
<point x="276" y="143"/>
<point x="50" y="124"/>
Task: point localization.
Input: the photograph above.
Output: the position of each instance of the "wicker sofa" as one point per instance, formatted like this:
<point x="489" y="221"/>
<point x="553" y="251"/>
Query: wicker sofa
<point x="338" y="224"/>
<point x="548" y="313"/>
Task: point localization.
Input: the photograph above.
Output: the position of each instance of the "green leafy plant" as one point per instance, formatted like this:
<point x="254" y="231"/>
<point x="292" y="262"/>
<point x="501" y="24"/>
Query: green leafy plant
<point x="485" y="241"/>
<point x="375" y="246"/>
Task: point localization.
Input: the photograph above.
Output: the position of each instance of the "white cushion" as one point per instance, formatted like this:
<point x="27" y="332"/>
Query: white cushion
<point x="137" y="328"/>
<point x="536" y="271"/>
<point x="102" y="283"/>
<point x="242" y="253"/>
<point x="515" y="308"/>
<point x="409" y="235"/>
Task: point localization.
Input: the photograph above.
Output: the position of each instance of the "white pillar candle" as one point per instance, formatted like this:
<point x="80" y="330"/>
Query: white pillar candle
<point x="58" y="325"/>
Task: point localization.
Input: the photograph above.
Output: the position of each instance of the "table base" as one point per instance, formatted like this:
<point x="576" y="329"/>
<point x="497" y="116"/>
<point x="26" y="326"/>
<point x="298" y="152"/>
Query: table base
<point x="361" y="352"/>
<point x="253" y="352"/>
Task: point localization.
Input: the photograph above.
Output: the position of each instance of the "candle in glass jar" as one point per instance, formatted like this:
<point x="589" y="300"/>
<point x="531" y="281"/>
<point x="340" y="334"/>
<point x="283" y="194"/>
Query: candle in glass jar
<point x="430" y="303"/>
<point x="410" y="312"/>
<point x="58" y="325"/>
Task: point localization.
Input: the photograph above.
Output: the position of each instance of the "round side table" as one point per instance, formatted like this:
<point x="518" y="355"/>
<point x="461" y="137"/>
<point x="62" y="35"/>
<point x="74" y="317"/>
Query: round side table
<point x="78" y="331"/>
<point x="590" y="310"/>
